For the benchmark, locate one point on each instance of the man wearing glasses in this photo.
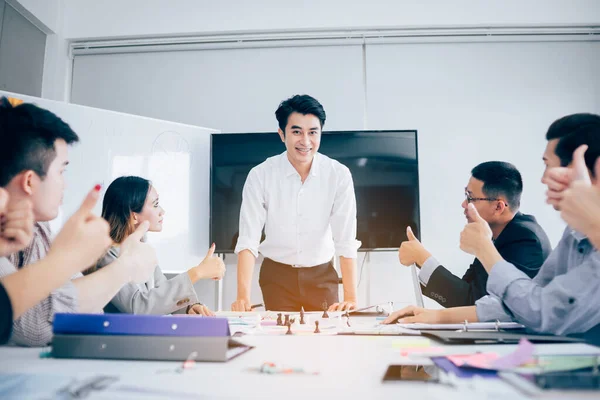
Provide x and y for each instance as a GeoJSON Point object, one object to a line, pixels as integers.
{"type": "Point", "coordinates": [494, 189]}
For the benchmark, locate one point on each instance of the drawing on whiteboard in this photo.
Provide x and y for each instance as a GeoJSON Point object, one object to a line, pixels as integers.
{"type": "Point", "coordinates": [170, 142]}
{"type": "Point", "coordinates": [169, 146]}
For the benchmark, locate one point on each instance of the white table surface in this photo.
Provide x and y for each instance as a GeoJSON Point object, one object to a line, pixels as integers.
{"type": "Point", "coordinates": [350, 367]}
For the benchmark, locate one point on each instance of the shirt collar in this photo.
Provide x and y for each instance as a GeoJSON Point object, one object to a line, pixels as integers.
{"type": "Point", "coordinates": [577, 235]}
{"type": "Point", "coordinates": [289, 169]}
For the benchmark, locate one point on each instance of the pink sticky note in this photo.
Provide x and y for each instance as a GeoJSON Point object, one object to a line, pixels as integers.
{"type": "Point", "coordinates": [520, 356]}
{"type": "Point", "coordinates": [493, 361]}
{"type": "Point", "coordinates": [478, 360]}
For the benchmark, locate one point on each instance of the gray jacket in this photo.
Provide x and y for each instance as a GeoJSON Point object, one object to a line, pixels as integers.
{"type": "Point", "coordinates": [157, 296]}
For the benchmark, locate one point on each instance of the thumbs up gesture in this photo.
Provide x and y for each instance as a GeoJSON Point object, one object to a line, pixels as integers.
{"type": "Point", "coordinates": [212, 267]}
{"type": "Point", "coordinates": [580, 203]}
{"type": "Point", "coordinates": [412, 251]}
{"type": "Point", "coordinates": [84, 237]}
{"type": "Point", "coordinates": [559, 179]}
{"type": "Point", "coordinates": [16, 224]}
{"type": "Point", "coordinates": [476, 234]}
{"type": "Point", "coordinates": [140, 256]}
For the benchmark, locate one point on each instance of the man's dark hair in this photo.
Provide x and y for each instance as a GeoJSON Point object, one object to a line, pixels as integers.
{"type": "Point", "coordinates": [573, 131]}
{"type": "Point", "coordinates": [570, 124]}
{"type": "Point", "coordinates": [500, 178]}
{"type": "Point", "coordinates": [27, 137]}
{"type": "Point", "coordinates": [303, 104]}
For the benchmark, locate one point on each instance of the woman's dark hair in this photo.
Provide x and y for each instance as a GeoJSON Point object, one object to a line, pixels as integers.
{"type": "Point", "coordinates": [123, 197]}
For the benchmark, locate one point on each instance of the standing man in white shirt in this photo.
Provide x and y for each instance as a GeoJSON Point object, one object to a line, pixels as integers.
{"type": "Point", "coordinates": [306, 204]}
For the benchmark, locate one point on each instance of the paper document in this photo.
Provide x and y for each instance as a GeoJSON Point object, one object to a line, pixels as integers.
{"type": "Point", "coordinates": [475, 326]}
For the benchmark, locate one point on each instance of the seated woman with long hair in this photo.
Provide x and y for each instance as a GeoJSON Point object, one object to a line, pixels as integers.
{"type": "Point", "coordinates": [129, 201]}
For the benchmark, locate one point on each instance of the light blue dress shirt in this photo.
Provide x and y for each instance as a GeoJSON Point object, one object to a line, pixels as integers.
{"type": "Point", "coordinates": [561, 299]}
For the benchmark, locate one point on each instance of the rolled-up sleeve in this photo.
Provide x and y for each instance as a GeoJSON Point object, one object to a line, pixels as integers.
{"type": "Point", "coordinates": [253, 214]}
{"type": "Point", "coordinates": [490, 308]}
{"type": "Point", "coordinates": [343, 217]}
{"type": "Point", "coordinates": [562, 306]}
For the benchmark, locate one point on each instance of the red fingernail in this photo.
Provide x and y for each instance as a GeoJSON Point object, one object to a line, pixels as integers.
{"type": "Point", "coordinates": [97, 187]}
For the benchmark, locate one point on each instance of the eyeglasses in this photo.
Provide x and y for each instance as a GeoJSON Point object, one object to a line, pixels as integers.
{"type": "Point", "coordinates": [473, 199]}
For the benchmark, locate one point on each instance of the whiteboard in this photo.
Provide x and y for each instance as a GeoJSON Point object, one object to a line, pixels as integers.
{"type": "Point", "coordinates": [175, 157]}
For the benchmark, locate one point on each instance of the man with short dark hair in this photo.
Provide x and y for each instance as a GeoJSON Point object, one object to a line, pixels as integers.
{"type": "Point", "coordinates": [305, 202]}
{"type": "Point", "coordinates": [560, 298]}
{"type": "Point", "coordinates": [33, 156]}
{"type": "Point", "coordinates": [495, 189]}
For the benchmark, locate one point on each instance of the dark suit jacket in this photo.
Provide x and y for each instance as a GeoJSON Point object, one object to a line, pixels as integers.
{"type": "Point", "coordinates": [522, 243]}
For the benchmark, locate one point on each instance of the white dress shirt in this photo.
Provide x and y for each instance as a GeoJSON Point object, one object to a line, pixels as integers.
{"type": "Point", "coordinates": [305, 224]}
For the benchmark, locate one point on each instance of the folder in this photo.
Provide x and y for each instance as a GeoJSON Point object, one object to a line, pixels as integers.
{"type": "Point", "coordinates": [146, 325]}
{"type": "Point", "coordinates": [156, 348]}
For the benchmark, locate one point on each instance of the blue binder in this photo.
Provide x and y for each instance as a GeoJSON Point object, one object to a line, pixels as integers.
{"type": "Point", "coordinates": [143, 325]}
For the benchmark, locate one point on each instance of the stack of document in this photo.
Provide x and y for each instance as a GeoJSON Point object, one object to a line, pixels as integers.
{"type": "Point", "coordinates": [469, 326]}
{"type": "Point", "coordinates": [143, 337]}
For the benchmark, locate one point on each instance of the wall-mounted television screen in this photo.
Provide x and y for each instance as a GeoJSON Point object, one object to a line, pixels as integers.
{"type": "Point", "coordinates": [384, 167]}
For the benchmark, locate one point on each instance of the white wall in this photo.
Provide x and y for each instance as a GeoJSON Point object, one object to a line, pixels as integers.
{"type": "Point", "coordinates": [475, 102]}
{"type": "Point", "coordinates": [237, 90]}
{"type": "Point", "coordinates": [116, 18]}
{"type": "Point", "coordinates": [48, 15]}
{"type": "Point", "coordinates": [71, 20]}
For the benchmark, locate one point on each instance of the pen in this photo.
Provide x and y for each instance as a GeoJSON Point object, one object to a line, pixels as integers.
{"type": "Point", "coordinates": [256, 306]}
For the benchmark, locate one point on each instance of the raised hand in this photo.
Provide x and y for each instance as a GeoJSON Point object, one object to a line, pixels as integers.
{"type": "Point", "coordinates": [212, 267]}
{"type": "Point", "coordinates": [412, 251]}
{"type": "Point", "coordinates": [559, 179]}
{"type": "Point", "coordinates": [476, 233]}
{"type": "Point", "coordinates": [84, 237]}
{"type": "Point", "coordinates": [16, 224]}
{"type": "Point", "coordinates": [580, 204]}
{"type": "Point", "coordinates": [138, 257]}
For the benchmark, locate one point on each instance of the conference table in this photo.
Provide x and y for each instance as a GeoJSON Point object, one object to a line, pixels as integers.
{"type": "Point", "coordinates": [330, 367]}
